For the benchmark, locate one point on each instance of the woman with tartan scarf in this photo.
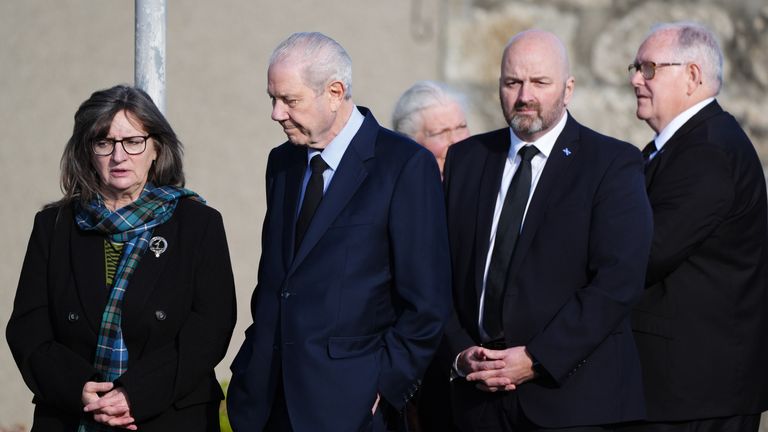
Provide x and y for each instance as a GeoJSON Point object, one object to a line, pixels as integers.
{"type": "Point", "coordinates": [126, 298]}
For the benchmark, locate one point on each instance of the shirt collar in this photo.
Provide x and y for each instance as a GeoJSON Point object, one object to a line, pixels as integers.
{"type": "Point", "coordinates": [678, 122]}
{"type": "Point", "coordinates": [544, 144]}
{"type": "Point", "coordinates": [334, 151]}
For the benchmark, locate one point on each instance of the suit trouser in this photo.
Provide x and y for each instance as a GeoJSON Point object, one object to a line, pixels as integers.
{"type": "Point", "coordinates": [478, 411]}
{"type": "Point", "coordinates": [746, 423]}
{"type": "Point", "coordinates": [433, 400]}
{"type": "Point", "coordinates": [280, 421]}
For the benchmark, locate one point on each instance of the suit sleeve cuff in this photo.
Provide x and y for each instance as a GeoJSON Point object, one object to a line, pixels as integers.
{"type": "Point", "coordinates": [455, 372]}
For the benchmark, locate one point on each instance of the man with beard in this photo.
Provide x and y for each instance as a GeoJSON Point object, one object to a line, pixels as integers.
{"type": "Point", "coordinates": [550, 230]}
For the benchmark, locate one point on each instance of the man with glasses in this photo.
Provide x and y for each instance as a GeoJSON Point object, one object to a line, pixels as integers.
{"type": "Point", "coordinates": [354, 277]}
{"type": "Point", "coordinates": [702, 323]}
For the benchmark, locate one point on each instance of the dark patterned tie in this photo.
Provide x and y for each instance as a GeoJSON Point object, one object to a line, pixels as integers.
{"type": "Point", "coordinates": [312, 196]}
{"type": "Point", "coordinates": [649, 150]}
{"type": "Point", "coordinates": [507, 232]}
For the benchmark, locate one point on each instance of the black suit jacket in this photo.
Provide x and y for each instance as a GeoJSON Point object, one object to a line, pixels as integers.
{"type": "Point", "coordinates": [178, 316]}
{"type": "Point", "coordinates": [702, 324]}
{"type": "Point", "coordinates": [359, 308]}
{"type": "Point", "coordinates": [578, 268]}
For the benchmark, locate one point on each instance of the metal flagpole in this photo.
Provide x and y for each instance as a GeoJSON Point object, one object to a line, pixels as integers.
{"type": "Point", "coordinates": [149, 59]}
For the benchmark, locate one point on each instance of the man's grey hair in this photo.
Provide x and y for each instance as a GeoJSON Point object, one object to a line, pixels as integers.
{"type": "Point", "coordinates": [697, 44]}
{"type": "Point", "coordinates": [420, 96]}
{"type": "Point", "coordinates": [321, 59]}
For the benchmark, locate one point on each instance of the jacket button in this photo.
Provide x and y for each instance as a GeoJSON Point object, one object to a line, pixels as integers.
{"type": "Point", "coordinates": [72, 317]}
{"type": "Point", "coordinates": [160, 315]}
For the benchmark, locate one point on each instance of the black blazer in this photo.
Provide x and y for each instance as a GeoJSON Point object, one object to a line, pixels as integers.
{"type": "Point", "coordinates": [702, 324]}
{"type": "Point", "coordinates": [578, 268]}
{"type": "Point", "coordinates": [178, 316]}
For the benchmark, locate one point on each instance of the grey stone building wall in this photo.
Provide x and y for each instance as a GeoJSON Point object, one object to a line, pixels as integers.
{"type": "Point", "coordinates": [602, 37]}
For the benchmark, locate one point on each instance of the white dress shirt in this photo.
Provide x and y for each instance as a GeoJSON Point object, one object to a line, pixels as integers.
{"type": "Point", "coordinates": [332, 153]}
{"type": "Point", "coordinates": [544, 144]}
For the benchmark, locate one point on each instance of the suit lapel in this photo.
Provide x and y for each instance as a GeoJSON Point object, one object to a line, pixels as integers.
{"type": "Point", "coordinates": [294, 175]}
{"type": "Point", "coordinates": [346, 180]}
{"type": "Point", "coordinates": [709, 110]}
{"type": "Point", "coordinates": [87, 257]}
{"type": "Point", "coordinates": [551, 178]}
{"type": "Point", "coordinates": [490, 183]}
{"type": "Point", "coordinates": [652, 166]}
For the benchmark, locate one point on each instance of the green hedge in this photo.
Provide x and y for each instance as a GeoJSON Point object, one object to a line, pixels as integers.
{"type": "Point", "coordinates": [223, 419]}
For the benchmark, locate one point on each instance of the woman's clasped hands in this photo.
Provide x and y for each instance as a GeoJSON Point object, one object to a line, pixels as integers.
{"type": "Point", "coordinates": [109, 405]}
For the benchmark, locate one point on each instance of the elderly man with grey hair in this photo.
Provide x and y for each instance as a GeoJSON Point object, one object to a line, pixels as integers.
{"type": "Point", "coordinates": [434, 115]}
{"type": "Point", "coordinates": [354, 278]}
{"type": "Point", "coordinates": [702, 324]}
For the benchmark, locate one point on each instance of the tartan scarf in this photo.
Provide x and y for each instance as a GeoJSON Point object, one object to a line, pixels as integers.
{"type": "Point", "coordinates": [131, 225]}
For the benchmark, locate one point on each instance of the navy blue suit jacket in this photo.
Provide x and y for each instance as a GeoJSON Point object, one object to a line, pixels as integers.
{"type": "Point", "coordinates": [360, 307]}
{"type": "Point", "coordinates": [577, 269]}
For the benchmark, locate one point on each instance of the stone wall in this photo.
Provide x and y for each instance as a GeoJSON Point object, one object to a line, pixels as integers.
{"type": "Point", "coordinates": [602, 37]}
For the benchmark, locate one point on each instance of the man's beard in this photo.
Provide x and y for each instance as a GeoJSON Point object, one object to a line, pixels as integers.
{"type": "Point", "coordinates": [526, 125]}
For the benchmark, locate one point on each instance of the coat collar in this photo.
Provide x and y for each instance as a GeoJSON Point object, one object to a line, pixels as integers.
{"type": "Point", "coordinates": [710, 110]}
{"type": "Point", "coordinates": [497, 148]}
{"type": "Point", "coordinates": [566, 149]}
{"type": "Point", "coordinates": [87, 257]}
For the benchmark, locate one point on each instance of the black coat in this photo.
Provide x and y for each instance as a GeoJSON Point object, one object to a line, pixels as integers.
{"type": "Point", "coordinates": [702, 324]}
{"type": "Point", "coordinates": [178, 316]}
{"type": "Point", "coordinates": [577, 269]}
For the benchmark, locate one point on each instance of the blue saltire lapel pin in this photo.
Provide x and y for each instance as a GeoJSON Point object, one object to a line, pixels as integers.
{"type": "Point", "coordinates": [566, 151]}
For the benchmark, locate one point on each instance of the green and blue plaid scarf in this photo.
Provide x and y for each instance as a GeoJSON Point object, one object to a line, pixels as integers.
{"type": "Point", "coordinates": [131, 225]}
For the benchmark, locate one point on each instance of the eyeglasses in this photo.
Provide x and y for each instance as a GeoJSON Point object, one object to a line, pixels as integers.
{"type": "Point", "coordinates": [132, 145]}
{"type": "Point", "coordinates": [648, 68]}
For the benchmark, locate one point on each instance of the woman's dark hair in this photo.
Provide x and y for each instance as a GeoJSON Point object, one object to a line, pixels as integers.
{"type": "Point", "coordinates": [79, 178]}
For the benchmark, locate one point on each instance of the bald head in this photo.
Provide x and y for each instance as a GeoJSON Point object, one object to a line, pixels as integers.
{"type": "Point", "coordinates": [543, 42]}
{"type": "Point", "coordinates": [536, 85]}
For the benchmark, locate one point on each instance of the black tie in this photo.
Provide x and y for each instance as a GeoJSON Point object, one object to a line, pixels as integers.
{"type": "Point", "coordinates": [312, 196]}
{"type": "Point", "coordinates": [507, 232]}
{"type": "Point", "coordinates": [648, 150]}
